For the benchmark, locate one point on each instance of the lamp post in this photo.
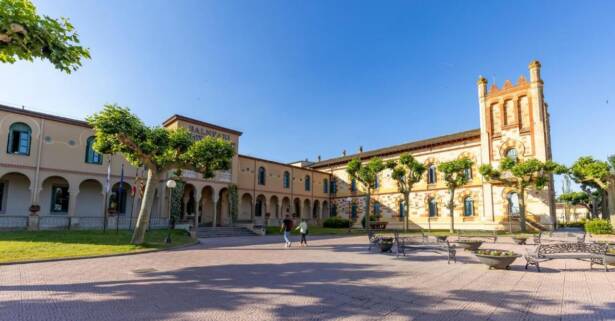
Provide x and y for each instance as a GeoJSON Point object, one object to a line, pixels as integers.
{"type": "Point", "coordinates": [350, 218]}
{"type": "Point", "coordinates": [171, 184]}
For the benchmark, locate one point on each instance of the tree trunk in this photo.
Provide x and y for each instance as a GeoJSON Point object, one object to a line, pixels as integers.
{"type": "Point", "coordinates": [605, 205]}
{"type": "Point", "coordinates": [138, 236]}
{"type": "Point", "coordinates": [451, 210]}
{"type": "Point", "coordinates": [369, 198]}
{"type": "Point", "coordinates": [522, 210]}
{"type": "Point", "coordinates": [406, 210]}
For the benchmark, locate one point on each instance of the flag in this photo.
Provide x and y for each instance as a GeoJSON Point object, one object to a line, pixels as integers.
{"type": "Point", "coordinates": [122, 179]}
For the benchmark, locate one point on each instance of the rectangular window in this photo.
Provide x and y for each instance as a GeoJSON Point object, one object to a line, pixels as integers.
{"type": "Point", "coordinates": [1, 196]}
{"type": "Point", "coordinates": [59, 199]}
{"type": "Point", "coordinates": [20, 143]}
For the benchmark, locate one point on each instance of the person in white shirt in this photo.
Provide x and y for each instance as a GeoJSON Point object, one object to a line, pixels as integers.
{"type": "Point", "coordinates": [303, 229]}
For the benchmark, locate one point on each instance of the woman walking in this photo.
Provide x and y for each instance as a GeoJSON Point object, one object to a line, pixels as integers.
{"type": "Point", "coordinates": [303, 229]}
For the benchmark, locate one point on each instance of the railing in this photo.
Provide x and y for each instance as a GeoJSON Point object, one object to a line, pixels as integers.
{"type": "Point", "coordinates": [55, 222]}
{"type": "Point", "coordinates": [8, 222]}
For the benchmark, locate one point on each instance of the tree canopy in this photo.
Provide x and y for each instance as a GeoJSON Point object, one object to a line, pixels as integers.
{"type": "Point", "coordinates": [587, 170]}
{"type": "Point", "coordinates": [406, 172]}
{"type": "Point", "coordinates": [367, 175]}
{"type": "Point", "coordinates": [455, 176]}
{"type": "Point", "coordinates": [521, 175]}
{"type": "Point", "coordinates": [25, 35]}
{"type": "Point", "coordinates": [159, 149]}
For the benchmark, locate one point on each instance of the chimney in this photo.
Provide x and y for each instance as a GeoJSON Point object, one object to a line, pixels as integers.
{"type": "Point", "coordinates": [319, 158]}
{"type": "Point", "coordinates": [535, 71]}
{"type": "Point", "coordinates": [360, 149]}
{"type": "Point", "coordinates": [482, 86]}
{"type": "Point", "coordinates": [344, 152]}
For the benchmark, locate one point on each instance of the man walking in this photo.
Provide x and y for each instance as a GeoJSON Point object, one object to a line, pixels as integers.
{"type": "Point", "coordinates": [287, 227]}
{"type": "Point", "coordinates": [303, 229]}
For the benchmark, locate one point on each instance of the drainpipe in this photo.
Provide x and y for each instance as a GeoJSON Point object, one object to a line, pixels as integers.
{"type": "Point", "coordinates": [38, 163]}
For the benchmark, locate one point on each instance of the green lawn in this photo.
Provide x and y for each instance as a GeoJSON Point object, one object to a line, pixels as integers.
{"type": "Point", "coordinates": [40, 245]}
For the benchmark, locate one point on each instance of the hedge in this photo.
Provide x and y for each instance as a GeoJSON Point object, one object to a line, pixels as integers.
{"type": "Point", "coordinates": [598, 226]}
{"type": "Point", "coordinates": [336, 222]}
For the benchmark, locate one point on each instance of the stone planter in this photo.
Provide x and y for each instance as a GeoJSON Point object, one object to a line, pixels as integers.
{"type": "Point", "coordinates": [441, 238]}
{"type": "Point", "coordinates": [378, 225]}
{"type": "Point", "coordinates": [609, 258]}
{"type": "Point", "coordinates": [386, 244]}
{"type": "Point", "coordinates": [519, 240]}
{"type": "Point", "coordinates": [496, 259]}
{"type": "Point", "coordinates": [469, 245]}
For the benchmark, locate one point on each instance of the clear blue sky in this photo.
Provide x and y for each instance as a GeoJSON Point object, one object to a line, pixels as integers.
{"type": "Point", "coordinates": [308, 78]}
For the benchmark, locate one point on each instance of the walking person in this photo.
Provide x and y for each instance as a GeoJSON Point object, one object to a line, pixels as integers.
{"type": "Point", "coordinates": [287, 227]}
{"type": "Point", "coordinates": [303, 229]}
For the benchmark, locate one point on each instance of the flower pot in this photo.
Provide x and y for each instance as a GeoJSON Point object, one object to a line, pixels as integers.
{"type": "Point", "coordinates": [34, 208]}
{"type": "Point", "coordinates": [378, 225]}
{"type": "Point", "coordinates": [386, 244]}
{"type": "Point", "coordinates": [496, 259]}
{"type": "Point", "coordinates": [469, 245]}
{"type": "Point", "coordinates": [441, 238]}
{"type": "Point", "coordinates": [519, 240]}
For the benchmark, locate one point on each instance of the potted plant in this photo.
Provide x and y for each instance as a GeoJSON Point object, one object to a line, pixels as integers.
{"type": "Point", "coordinates": [610, 255]}
{"type": "Point", "coordinates": [496, 259]}
{"type": "Point", "coordinates": [519, 240]}
{"type": "Point", "coordinates": [34, 209]}
{"type": "Point", "coordinates": [386, 243]}
{"type": "Point", "coordinates": [469, 245]}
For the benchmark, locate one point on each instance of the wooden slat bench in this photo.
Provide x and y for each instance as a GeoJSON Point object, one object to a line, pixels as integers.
{"type": "Point", "coordinates": [477, 234]}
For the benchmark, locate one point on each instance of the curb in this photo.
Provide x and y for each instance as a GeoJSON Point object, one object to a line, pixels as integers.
{"type": "Point", "coordinates": [101, 256]}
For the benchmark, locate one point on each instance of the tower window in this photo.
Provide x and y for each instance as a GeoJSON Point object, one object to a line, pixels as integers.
{"type": "Point", "coordinates": [261, 175]}
{"type": "Point", "coordinates": [431, 175]}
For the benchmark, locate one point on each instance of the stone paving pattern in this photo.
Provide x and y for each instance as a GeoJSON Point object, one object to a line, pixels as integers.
{"type": "Point", "coordinates": [255, 278]}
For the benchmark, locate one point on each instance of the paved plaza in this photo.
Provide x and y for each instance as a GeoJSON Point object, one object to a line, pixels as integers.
{"type": "Point", "coordinates": [335, 278]}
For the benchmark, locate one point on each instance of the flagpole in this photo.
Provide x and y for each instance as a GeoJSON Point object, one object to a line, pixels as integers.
{"type": "Point", "coordinates": [106, 195]}
{"type": "Point", "coordinates": [134, 197]}
{"type": "Point", "coordinates": [120, 199]}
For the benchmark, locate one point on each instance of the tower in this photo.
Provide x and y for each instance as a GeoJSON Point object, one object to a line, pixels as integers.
{"type": "Point", "coordinates": [514, 122]}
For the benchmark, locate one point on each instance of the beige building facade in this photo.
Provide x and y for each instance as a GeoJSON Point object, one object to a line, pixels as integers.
{"type": "Point", "coordinates": [50, 176]}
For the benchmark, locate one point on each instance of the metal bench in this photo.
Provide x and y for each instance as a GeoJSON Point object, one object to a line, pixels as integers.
{"type": "Point", "coordinates": [594, 253]}
{"type": "Point", "coordinates": [477, 234]}
{"type": "Point", "coordinates": [374, 239]}
{"type": "Point", "coordinates": [423, 243]}
{"type": "Point", "coordinates": [548, 237]}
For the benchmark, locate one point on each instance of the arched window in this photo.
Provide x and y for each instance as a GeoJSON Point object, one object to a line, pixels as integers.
{"type": "Point", "coordinates": [261, 175]}
{"type": "Point", "coordinates": [468, 173]}
{"type": "Point", "coordinates": [353, 185]}
{"type": "Point", "coordinates": [325, 186]}
{"type": "Point", "coordinates": [91, 156]}
{"type": "Point", "coordinates": [468, 206]}
{"type": "Point", "coordinates": [431, 174]}
{"type": "Point", "coordinates": [307, 183]}
{"type": "Point", "coordinates": [258, 207]}
{"type": "Point", "coordinates": [118, 199]}
{"type": "Point", "coordinates": [353, 210]}
{"type": "Point", "coordinates": [512, 154]}
{"type": "Point", "coordinates": [377, 208]}
{"type": "Point", "coordinates": [286, 180]}
{"type": "Point", "coordinates": [513, 204]}
{"type": "Point", "coordinates": [433, 207]}
{"type": "Point", "coordinates": [20, 136]}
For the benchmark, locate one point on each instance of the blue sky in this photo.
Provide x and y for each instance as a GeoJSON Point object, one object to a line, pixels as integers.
{"type": "Point", "coordinates": [308, 78]}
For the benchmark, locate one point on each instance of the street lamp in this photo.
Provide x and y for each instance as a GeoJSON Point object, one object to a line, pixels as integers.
{"type": "Point", "coordinates": [171, 184]}
{"type": "Point", "coordinates": [350, 218]}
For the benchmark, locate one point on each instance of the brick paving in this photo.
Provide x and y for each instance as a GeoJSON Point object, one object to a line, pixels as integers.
{"type": "Point", "coordinates": [255, 278]}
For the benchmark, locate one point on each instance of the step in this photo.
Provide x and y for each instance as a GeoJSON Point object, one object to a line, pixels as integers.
{"type": "Point", "coordinates": [209, 232]}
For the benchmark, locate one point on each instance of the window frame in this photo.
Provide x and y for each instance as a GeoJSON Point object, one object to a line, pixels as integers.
{"type": "Point", "coordinates": [325, 185]}
{"type": "Point", "coordinates": [286, 179]}
{"type": "Point", "coordinates": [465, 206]}
{"type": "Point", "coordinates": [261, 177]}
{"type": "Point", "coordinates": [94, 154]}
{"type": "Point", "coordinates": [432, 169]}
{"type": "Point", "coordinates": [432, 202]}
{"type": "Point", "coordinates": [11, 136]}
{"type": "Point", "coordinates": [307, 183]}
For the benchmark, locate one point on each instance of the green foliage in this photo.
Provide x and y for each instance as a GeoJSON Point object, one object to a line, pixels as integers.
{"type": "Point", "coordinates": [587, 170]}
{"type": "Point", "coordinates": [406, 172]}
{"type": "Point", "coordinates": [25, 35]}
{"type": "Point", "coordinates": [177, 197]}
{"type": "Point", "coordinates": [575, 198]}
{"type": "Point", "coordinates": [454, 172]}
{"type": "Point", "coordinates": [233, 199]}
{"type": "Point", "coordinates": [598, 226]}
{"type": "Point", "coordinates": [366, 174]}
{"type": "Point", "coordinates": [117, 130]}
{"type": "Point", "coordinates": [521, 175]}
{"type": "Point", "coordinates": [337, 222]}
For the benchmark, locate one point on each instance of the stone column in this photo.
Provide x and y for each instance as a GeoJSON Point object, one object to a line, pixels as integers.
{"type": "Point", "coordinates": [197, 213]}
{"type": "Point", "coordinates": [215, 199]}
{"type": "Point", "coordinates": [73, 193]}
